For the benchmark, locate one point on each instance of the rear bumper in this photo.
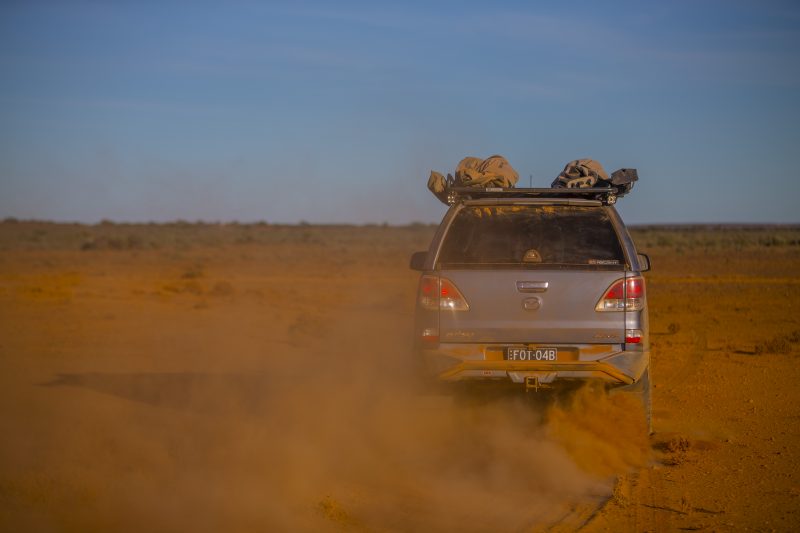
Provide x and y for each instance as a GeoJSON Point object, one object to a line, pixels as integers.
{"type": "Point", "coordinates": [462, 362]}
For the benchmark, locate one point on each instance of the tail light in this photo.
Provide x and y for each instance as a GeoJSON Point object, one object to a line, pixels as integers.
{"type": "Point", "coordinates": [625, 294]}
{"type": "Point", "coordinates": [429, 293]}
{"type": "Point", "coordinates": [437, 293]}
{"type": "Point", "coordinates": [451, 298]}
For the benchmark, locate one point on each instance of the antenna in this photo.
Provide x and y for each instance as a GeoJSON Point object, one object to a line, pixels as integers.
{"type": "Point", "coordinates": [530, 181]}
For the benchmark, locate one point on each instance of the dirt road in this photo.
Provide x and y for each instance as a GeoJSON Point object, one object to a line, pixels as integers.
{"type": "Point", "coordinates": [256, 378]}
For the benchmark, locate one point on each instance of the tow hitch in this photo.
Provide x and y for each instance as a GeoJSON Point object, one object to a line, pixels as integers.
{"type": "Point", "coordinates": [534, 380]}
{"type": "Point", "coordinates": [534, 383]}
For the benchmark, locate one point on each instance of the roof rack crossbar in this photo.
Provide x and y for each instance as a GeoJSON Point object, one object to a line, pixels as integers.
{"type": "Point", "coordinates": [607, 195]}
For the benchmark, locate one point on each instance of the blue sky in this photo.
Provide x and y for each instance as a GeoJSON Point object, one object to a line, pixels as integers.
{"type": "Point", "coordinates": [337, 112]}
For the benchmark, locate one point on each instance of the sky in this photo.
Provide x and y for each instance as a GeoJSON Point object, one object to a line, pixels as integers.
{"type": "Point", "coordinates": [336, 112]}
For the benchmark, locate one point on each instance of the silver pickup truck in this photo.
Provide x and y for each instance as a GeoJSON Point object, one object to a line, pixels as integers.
{"type": "Point", "coordinates": [536, 289]}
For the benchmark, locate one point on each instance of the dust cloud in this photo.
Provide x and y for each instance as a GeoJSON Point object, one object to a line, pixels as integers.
{"type": "Point", "coordinates": [338, 435]}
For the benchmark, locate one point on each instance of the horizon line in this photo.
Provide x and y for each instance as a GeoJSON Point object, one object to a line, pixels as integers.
{"type": "Point", "coordinates": [303, 223]}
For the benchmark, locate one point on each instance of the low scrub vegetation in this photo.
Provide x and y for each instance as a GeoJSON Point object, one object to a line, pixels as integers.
{"type": "Point", "coordinates": [716, 237]}
{"type": "Point", "coordinates": [107, 235]}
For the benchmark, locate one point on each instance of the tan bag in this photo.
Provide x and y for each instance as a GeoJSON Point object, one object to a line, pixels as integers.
{"type": "Point", "coordinates": [494, 171]}
{"type": "Point", "coordinates": [437, 185]}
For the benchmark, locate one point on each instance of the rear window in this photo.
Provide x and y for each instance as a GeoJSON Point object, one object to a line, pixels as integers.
{"type": "Point", "coordinates": [532, 236]}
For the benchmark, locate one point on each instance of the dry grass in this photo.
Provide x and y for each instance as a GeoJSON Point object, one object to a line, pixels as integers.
{"type": "Point", "coordinates": [685, 238]}
{"type": "Point", "coordinates": [39, 235]}
{"type": "Point", "coordinates": [107, 235]}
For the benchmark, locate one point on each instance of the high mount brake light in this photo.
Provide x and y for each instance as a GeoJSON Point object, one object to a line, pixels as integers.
{"type": "Point", "coordinates": [626, 294]}
{"type": "Point", "coordinates": [440, 293]}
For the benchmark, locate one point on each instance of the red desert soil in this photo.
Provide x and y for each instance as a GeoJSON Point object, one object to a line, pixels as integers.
{"type": "Point", "coordinates": [256, 378]}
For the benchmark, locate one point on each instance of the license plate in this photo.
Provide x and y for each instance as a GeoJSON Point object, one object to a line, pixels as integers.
{"type": "Point", "coordinates": [531, 354]}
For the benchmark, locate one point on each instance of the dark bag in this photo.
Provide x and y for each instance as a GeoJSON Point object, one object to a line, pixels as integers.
{"type": "Point", "coordinates": [623, 179]}
{"type": "Point", "coordinates": [584, 173]}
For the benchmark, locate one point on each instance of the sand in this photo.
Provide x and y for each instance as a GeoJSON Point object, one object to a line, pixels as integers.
{"type": "Point", "coordinates": [258, 378]}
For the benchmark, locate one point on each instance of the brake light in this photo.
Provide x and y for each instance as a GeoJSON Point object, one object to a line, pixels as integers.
{"type": "Point", "coordinates": [625, 294]}
{"type": "Point", "coordinates": [440, 293]}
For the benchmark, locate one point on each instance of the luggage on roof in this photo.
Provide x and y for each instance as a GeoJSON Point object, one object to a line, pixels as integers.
{"type": "Point", "coordinates": [494, 176]}
{"type": "Point", "coordinates": [494, 171]}
{"type": "Point", "coordinates": [580, 174]}
{"type": "Point", "coordinates": [585, 173]}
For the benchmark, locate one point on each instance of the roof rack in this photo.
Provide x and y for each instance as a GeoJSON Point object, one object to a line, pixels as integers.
{"type": "Point", "coordinates": [607, 195]}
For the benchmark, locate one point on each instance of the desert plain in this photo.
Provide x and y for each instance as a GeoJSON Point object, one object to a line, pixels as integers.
{"type": "Point", "coordinates": [257, 377]}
